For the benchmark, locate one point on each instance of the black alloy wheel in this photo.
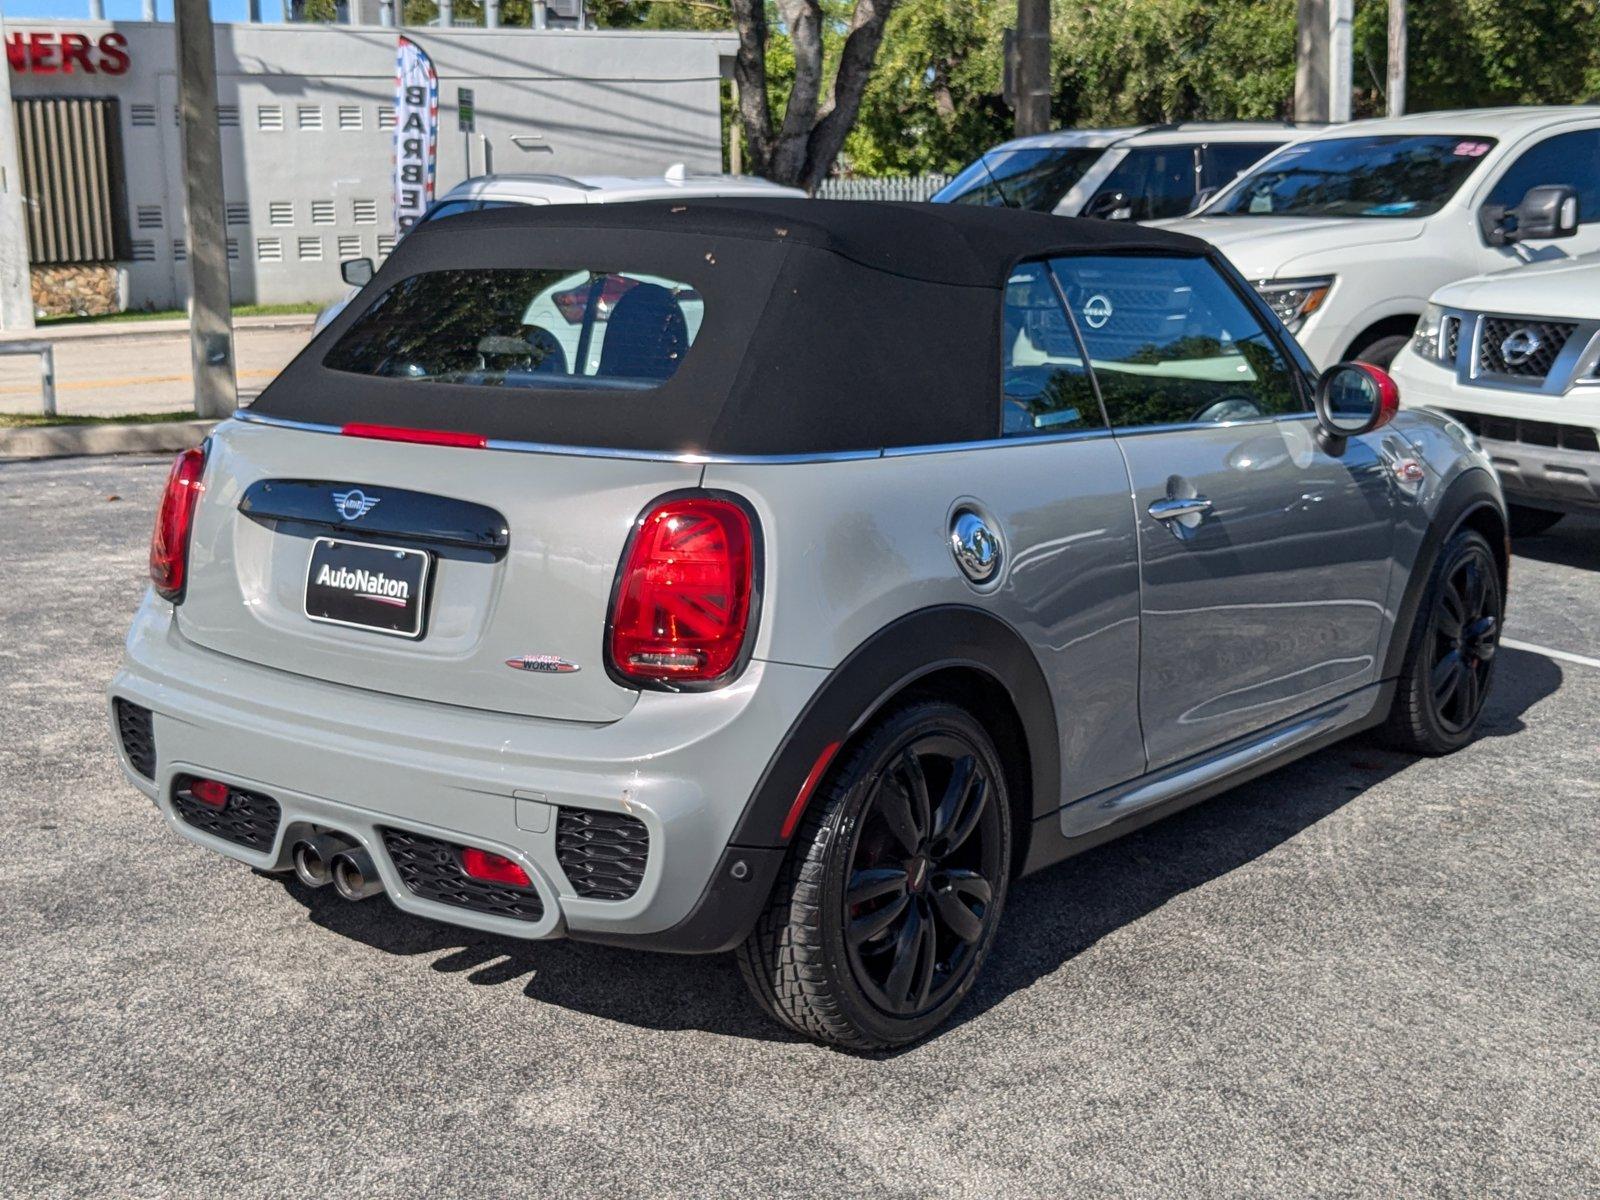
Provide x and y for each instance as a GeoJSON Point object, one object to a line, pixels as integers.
{"type": "Point", "coordinates": [922, 875]}
{"type": "Point", "coordinates": [888, 903]}
{"type": "Point", "coordinates": [1466, 631]}
{"type": "Point", "coordinates": [1449, 664]}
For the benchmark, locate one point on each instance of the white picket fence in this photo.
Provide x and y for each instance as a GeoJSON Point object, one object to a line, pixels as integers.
{"type": "Point", "coordinates": [893, 187]}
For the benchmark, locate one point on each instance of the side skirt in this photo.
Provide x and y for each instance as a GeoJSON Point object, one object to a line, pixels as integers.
{"type": "Point", "coordinates": [1107, 815]}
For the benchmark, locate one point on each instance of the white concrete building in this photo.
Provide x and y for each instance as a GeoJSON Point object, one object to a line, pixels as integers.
{"type": "Point", "coordinates": [307, 116]}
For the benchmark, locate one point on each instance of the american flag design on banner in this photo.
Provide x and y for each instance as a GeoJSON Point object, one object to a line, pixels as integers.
{"type": "Point", "coordinates": [416, 133]}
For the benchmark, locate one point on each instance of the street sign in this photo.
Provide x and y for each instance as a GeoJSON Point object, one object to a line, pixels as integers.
{"type": "Point", "coordinates": [466, 110]}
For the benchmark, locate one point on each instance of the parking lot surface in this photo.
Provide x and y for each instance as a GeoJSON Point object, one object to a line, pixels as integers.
{"type": "Point", "coordinates": [1365, 974]}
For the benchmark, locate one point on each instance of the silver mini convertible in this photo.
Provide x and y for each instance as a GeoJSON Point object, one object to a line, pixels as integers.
{"type": "Point", "coordinates": [788, 577]}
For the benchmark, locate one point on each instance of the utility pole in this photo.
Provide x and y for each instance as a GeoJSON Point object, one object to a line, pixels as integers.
{"type": "Point", "coordinates": [1311, 61]}
{"type": "Point", "coordinates": [16, 290]}
{"type": "Point", "coordinates": [1396, 90]}
{"type": "Point", "coordinates": [1341, 18]}
{"type": "Point", "coordinates": [210, 290]}
{"type": "Point", "coordinates": [1033, 67]}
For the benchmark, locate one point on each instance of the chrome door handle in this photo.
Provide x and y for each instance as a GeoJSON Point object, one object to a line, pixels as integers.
{"type": "Point", "coordinates": [1173, 507]}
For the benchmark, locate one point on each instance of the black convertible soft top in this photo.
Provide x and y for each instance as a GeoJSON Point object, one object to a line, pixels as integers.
{"type": "Point", "coordinates": [828, 325]}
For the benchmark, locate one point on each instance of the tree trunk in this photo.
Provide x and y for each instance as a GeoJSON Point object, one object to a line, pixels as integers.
{"type": "Point", "coordinates": [803, 151]}
{"type": "Point", "coordinates": [804, 19]}
{"type": "Point", "coordinates": [849, 85]}
{"type": "Point", "coordinates": [750, 74]}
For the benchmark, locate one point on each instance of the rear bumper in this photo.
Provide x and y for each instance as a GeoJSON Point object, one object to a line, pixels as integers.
{"type": "Point", "coordinates": [358, 762]}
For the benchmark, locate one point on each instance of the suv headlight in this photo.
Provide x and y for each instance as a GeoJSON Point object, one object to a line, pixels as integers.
{"type": "Point", "coordinates": [1294, 299]}
{"type": "Point", "coordinates": [1429, 325]}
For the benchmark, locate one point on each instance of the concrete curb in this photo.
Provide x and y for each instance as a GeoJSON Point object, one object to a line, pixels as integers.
{"type": "Point", "coordinates": [66, 441]}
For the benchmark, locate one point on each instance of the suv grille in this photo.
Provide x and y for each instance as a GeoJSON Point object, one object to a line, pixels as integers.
{"type": "Point", "coordinates": [1529, 433]}
{"type": "Point", "coordinates": [1452, 338]}
{"type": "Point", "coordinates": [431, 868]}
{"type": "Point", "coordinates": [138, 738]}
{"type": "Point", "coordinates": [603, 853]}
{"type": "Point", "coordinates": [247, 819]}
{"type": "Point", "coordinates": [1547, 339]}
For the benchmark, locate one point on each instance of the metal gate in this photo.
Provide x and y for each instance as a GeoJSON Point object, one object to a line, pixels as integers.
{"type": "Point", "coordinates": [72, 180]}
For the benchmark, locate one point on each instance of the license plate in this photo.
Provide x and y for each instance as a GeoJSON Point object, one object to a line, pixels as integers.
{"type": "Point", "coordinates": [382, 588]}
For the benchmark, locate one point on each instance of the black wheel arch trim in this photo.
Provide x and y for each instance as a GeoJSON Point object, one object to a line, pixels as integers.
{"type": "Point", "coordinates": [908, 649]}
{"type": "Point", "coordinates": [1470, 492]}
{"type": "Point", "coordinates": [856, 691]}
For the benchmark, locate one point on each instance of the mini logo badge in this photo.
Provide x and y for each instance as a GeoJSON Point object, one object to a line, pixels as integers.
{"type": "Point", "coordinates": [544, 664]}
{"type": "Point", "coordinates": [1097, 311]}
{"type": "Point", "coordinates": [354, 504]}
{"type": "Point", "coordinates": [1520, 345]}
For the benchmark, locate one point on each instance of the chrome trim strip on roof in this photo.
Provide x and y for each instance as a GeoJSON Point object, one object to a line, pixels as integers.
{"type": "Point", "coordinates": [693, 459]}
{"type": "Point", "coordinates": [244, 414]}
{"type": "Point", "coordinates": [1043, 439]}
{"type": "Point", "coordinates": [1128, 431]}
{"type": "Point", "coordinates": [515, 447]}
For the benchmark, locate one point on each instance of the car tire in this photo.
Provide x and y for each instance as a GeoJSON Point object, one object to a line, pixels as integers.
{"type": "Point", "coordinates": [1530, 522]}
{"type": "Point", "coordinates": [929, 880]}
{"type": "Point", "coordinates": [1380, 352]}
{"type": "Point", "coordinates": [1449, 663]}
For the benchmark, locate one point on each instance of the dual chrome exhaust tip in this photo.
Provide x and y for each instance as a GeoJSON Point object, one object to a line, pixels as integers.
{"type": "Point", "coordinates": [328, 858]}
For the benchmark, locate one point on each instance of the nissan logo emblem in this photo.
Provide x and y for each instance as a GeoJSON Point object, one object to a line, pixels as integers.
{"type": "Point", "coordinates": [1520, 345]}
{"type": "Point", "coordinates": [1097, 311]}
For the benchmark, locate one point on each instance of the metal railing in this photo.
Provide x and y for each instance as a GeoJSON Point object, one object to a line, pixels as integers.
{"type": "Point", "coordinates": [47, 368]}
{"type": "Point", "coordinates": [892, 187]}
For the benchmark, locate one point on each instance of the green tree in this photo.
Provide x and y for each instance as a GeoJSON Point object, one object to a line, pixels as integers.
{"type": "Point", "coordinates": [936, 92]}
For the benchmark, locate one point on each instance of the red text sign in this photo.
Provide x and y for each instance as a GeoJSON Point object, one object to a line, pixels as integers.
{"type": "Point", "coordinates": [45, 53]}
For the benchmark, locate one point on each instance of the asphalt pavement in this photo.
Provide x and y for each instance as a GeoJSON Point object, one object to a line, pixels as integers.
{"type": "Point", "coordinates": [1365, 974]}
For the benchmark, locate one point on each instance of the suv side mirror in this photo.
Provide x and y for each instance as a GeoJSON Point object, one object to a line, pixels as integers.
{"type": "Point", "coordinates": [1353, 398]}
{"type": "Point", "coordinates": [357, 272]}
{"type": "Point", "coordinates": [1548, 211]}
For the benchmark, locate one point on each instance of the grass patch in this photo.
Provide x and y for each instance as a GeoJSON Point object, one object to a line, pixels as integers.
{"type": "Point", "coordinates": [170, 314]}
{"type": "Point", "coordinates": [33, 420]}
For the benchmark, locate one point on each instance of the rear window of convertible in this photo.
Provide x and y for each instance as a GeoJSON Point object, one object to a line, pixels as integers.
{"type": "Point", "coordinates": [555, 328]}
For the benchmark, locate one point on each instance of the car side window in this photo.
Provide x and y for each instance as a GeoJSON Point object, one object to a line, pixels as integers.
{"type": "Point", "coordinates": [450, 208]}
{"type": "Point", "coordinates": [1223, 162]}
{"type": "Point", "coordinates": [1568, 158]}
{"type": "Point", "coordinates": [1171, 343]}
{"type": "Point", "coordinates": [1149, 183]}
{"type": "Point", "coordinates": [1047, 387]}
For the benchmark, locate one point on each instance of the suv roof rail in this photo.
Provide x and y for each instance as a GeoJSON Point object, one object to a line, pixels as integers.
{"type": "Point", "coordinates": [1236, 122]}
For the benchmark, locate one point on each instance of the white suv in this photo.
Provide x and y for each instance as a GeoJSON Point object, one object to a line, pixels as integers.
{"type": "Point", "coordinates": [1515, 357]}
{"type": "Point", "coordinates": [1138, 174]}
{"type": "Point", "coordinates": [1347, 232]}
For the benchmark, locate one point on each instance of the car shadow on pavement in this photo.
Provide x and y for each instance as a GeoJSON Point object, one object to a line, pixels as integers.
{"type": "Point", "coordinates": [1050, 917]}
{"type": "Point", "coordinates": [1573, 542]}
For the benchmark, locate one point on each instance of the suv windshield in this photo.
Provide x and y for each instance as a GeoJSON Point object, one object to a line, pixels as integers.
{"type": "Point", "coordinates": [1035, 178]}
{"type": "Point", "coordinates": [1395, 176]}
{"type": "Point", "coordinates": [528, 329]}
